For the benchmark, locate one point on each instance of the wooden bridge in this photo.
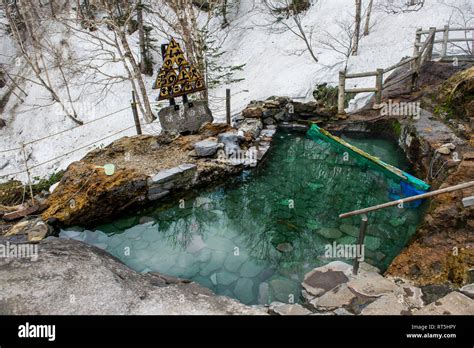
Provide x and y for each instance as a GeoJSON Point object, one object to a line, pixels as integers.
{"type": "Point", "coordinates": [424, 49]}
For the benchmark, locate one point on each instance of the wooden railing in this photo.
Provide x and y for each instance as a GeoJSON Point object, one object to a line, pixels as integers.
{"type": "Point", "coordinates": [400, 203]}
{"type": "Point", "coordinates": [423, 51]}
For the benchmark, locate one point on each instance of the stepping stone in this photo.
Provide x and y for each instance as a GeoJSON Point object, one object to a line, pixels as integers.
{"type": "Point", "coordinates": [454, 303]}
{"type": "Point", "coordinates": [371, 284]}
{"type": "Point", "coordinates": [390, 304]}
{"type": "Point", "coordinates": [206, 148]}
{"type": "Point", "coordinates": [338, 297]}
{"type": "Point", "coordinates": [290, 309]}
{"type": "Point", "coordinates": [325, 278]}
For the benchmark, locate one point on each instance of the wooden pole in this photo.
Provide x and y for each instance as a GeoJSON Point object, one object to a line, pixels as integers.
{"type": "Point", "coordinates": [432, 37]}
{"type": "Point", "coordinates": [445, 41]}
{"type": "Point", "coordinates": [135, 114]}
{"type": "Point", "coordinates": [342, 92]}
{"type": "Point", "coordinates": [25, 158]}
{"type": "Point", "coordinates": [227, 105]}
{"type": "Point", "coordinates": [379, 86]}
{"type": "Point", "coordinates": [360, 242]}
{"type": "Point", "coordinates": [408, 199]}
{"type": "Point", "coordinates": [416, 49]}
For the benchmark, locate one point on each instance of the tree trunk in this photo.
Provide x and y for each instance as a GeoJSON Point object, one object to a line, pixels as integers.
{"type": "Point", "coordinates": [367, 19]}
{"type": "Point", "coordinates": [149, 117]}
{"type": "Point", "coordinates": [355, 44]}
{"type": "Point", "coordinates": [225, 23]}
{"type": "Point", "coordinates": [141, 37]}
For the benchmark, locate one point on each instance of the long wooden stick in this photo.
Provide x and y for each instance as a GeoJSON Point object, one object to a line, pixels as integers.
{"type": "Point", "coordinates": [408, 199]}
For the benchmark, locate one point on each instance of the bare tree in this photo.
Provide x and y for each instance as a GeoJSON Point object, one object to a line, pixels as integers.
{"type": "Point", "coordinates": [287, 15]}
{"type": "Point", "coordinates": [27, 31]}
{"type": "Point", "coordinates": [358, 18]}
{"type": "Point", "coordinates": [367, 18]}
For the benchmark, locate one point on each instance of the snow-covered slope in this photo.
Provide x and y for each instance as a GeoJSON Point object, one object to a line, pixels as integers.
{"type": "Point", "coordinates": [274, 62]}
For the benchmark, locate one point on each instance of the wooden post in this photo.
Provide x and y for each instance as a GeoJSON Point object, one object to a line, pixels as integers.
{"type": "Point", "coordinates": [416, 49]}
{"type": "Point", "coordinates": [25, 158]}
{"type": "Point", "coordinates": [445, 41]}
{"type": "Point", "coordinates": [429, 49]}
{"type": "Point", "coordinates": [379, 86]}
{"type": "Point", "coordinates": [360, 242]}
{"type": "Point", "coordinates": [227, 106]}
{"type": "Point", "coordinates": [135, 114]}
{"type": "Point", "coordinates": [342, 92]}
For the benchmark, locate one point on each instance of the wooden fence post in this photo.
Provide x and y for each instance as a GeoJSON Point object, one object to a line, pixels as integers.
{"type": "Point", "coordinates": [135, 114]}
{"type": "Point", "coordinates": [416, 49]}
{"type": "Point", "coordinates": [445, 41]}
{"type": "Point", "coordinates": [379, 86]}
{"type": "Point", "coordinates": [227, 106]}
{"type": "Point", "coordinates": [342, 92]}
{"type": "Point", "coordinates": [429, 49]}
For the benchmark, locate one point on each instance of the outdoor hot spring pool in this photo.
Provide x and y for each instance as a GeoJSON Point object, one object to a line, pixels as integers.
{"type": "Point", "coordinates": [254, 237]}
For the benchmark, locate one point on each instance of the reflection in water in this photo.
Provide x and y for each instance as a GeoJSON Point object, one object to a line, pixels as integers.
{"type": "Point", "coordinates": [255, 237]}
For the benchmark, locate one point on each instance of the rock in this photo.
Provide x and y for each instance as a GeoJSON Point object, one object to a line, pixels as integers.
{"type": "Point", "coordinates": [251, 269]}
{"type": "Point", "coordinates": [145, 220]}
{"type": "Point", "coordinates": [231, 142]}
{"type": "Point", "coordinates": [372, 243]}
{"type": "Point", "coordinates": [251, 127]}
{"type": "Point", "coordinates": [434, 292]}
{"type": "Point", "coordinates": [284, 247]}
{"type": "Point", "coordinates": [20, 228]}
{"type": "Point", "coordinates": [282, 116]}
{"type": "Point", "coordinates": [252, 112]}
{"type": "Point", "coordinates": [338, 297]}
{"type": "Point", "coordinates": [321, 280]}
{"type": "Point", "coordinates": [389, 304]}
{"type": "Point", "coordinates": [372, 285]}
{"type": "Point", "coordinates": [454, 303]}
{"type": "Point", "coordinates": [349, 230]}
{"type": "Point", "coordinates": [206, 148]}
{"type": "Point", "coordinates": [368, 267]}
{"type": "Point", "coordinates": [329, 233]}
{"type": "Point", "coordinates": [269, 121]}
{"type": "Point", "coordinates": [283, 289]}
{"type": "Point", "coordinates": [233, 262]}
{"type": "Point", "coordinates": [342, 311]}
{"type": "Point", "coordinates": [468, 290]}
{"type": "Point", "coordinates": [443, 150]}
{"type": "Point", "coordinates": [289, 309]}
{"type": "Point", "coordinates": [97, 283]}
{"type": "Point", "coordinates": [226, 278]}
{"type": "Point", "coordinates": [185, 119]}
{"type": "Point", "coordinates": [167, 175]}
{"type": "Point", "coordinates": [38, 232]}
{"type": "Point", "coordinates": [2, 123]}
{"type": "Point", "coordinates": [110, 194]}
{"type": "Point", "coordinates": [263, 293]}
{"type": "Point", "coordinates": [243, 290]}
{"type": "Point", "coordinates": [16, 215]}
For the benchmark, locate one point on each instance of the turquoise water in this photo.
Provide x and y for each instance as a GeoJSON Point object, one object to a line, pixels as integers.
{"type": "Point", "coordinates": [256, 236]}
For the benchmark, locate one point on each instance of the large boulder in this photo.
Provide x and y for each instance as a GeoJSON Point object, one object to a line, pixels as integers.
{"type": "Point", "coordinates": [86, 194]}
{"type": "Point", "coordinates": [186, 119]}
{"type": "Point", "coordinates": [73, 278]}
